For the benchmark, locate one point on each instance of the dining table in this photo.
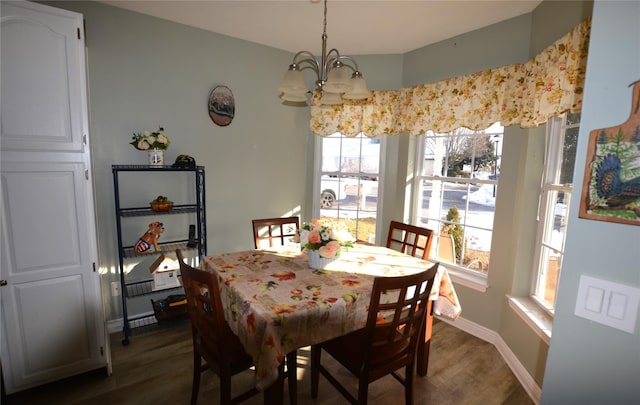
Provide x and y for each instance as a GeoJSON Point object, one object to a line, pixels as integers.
{"type": "Point", "coordinates": [276, 303]}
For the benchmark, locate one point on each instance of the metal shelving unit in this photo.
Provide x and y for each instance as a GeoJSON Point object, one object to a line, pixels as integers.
{"type": "Point", "coordinates": [137, 288]}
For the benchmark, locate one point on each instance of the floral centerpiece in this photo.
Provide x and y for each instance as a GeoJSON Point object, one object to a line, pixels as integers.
{"type": "Point", "coordinates": [324, 239]}
{"type": "Point", "coordinates": [150, 140]}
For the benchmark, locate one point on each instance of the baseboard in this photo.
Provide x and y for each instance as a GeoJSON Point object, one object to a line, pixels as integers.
{"type": "Point", "coordinates": [489, 336]}
{"type": "Point", "coordinates": [115, 325]}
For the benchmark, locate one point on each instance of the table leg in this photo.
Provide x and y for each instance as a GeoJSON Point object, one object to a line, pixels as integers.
{"type": "Point", "coordinates": [425, 336]}
{"type": "Point", "coordinates": [274, 394]}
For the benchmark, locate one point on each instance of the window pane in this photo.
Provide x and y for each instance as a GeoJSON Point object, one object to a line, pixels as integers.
{"type": "Point", "coordinates": [554, 204]}
{"type": "Point", "coordinates": [548, 277]}
{"type": "Point", "coordinates": [349, 183]}
{"type": "Point", "coordinates": [456, 194]}
{"type": "Point", "coordinates": [569, 148]}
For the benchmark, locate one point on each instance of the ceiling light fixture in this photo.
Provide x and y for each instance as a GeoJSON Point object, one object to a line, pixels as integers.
{"type": "Point", "coordinates": [332, 72]}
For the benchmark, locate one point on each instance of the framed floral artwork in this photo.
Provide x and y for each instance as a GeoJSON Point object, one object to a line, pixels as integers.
{"type": "Point", "coordinates": [222, 106]}
{"type": "Point", "coordinates": [611, 190]}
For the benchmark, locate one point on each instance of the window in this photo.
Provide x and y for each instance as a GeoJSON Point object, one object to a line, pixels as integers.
{"type": "Point", "coordinates": [349, 176]}
{"type": "Point", "coordinates": [457, 183]}
{"type": "Point", "coordinates": [557, 178]}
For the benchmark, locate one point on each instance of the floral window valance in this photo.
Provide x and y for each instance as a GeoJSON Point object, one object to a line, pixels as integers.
{"type": "Point", "coordinates": [521, 94]}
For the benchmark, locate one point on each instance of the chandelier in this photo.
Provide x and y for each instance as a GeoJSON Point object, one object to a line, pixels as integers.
{"type": "Point", "coordinates": [333, 71]}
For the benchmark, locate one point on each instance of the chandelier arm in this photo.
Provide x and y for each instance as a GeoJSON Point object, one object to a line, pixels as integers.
{"type": "Point", "coordinates": [310, 60]}
{"type": "Point", "coordinates": [343, 58]}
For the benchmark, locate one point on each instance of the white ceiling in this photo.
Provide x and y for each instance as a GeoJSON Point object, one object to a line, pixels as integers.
{"type": "Point", "coordinates": [354, 27]}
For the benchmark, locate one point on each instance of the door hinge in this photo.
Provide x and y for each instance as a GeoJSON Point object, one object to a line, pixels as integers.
{"type": "Point", "coordinates": [86, 175]}
{"type": "Point", "coordinates": [84, 139]}
{"type": "Point", "coordinates": [94, 267]}
{"type": "Point", "coordinates": [78, 30]}
{"type": "Point", "coordinates": [101, 350]}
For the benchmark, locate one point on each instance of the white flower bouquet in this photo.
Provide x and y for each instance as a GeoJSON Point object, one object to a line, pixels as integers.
{"type": "Point", "coordinates": [150, 140]}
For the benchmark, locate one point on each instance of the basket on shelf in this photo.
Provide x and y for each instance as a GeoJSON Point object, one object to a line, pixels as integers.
{"type": "Point", "coordinates": [170, 308]}
{"type": "Point", "coordinates": [161, 206]}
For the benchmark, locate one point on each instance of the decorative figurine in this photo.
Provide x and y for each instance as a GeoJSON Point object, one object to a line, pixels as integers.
{"type": "Point", "coordinates": [149, 239]}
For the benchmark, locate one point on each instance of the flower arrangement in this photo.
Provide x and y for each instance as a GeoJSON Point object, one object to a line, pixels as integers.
{"type": "Point", "coordinates": [326, 236]}
{"type": "Point", "coordinates": [150, 140]}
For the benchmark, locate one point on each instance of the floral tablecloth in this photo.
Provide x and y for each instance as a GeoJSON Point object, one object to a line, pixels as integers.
{"type": "Point", "coordinates": [276, 303]}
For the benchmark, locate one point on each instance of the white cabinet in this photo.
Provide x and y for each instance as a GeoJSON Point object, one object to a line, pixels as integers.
{"type": "Point", "coordinates": [52, 323]}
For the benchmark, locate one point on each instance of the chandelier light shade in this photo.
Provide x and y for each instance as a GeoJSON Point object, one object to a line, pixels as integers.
{"type": "Point", "coordinates": [337, 76]}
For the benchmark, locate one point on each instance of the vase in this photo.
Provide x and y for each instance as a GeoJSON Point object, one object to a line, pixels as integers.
{"type": "Point", "coordinates": [156, 157]}
{"type": "Point", "coordinates": [318, 262]}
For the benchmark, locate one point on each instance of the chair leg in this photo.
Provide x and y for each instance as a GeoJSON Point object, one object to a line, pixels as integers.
{"type": "Point", "coordinates": [315, 370]}
{"type": "Point", "coordinates": [292, 375]}
{"type": "Point", "coordinates": [408, 384]}
{"type": "Point", "coordinates": [197, 369]}
{"type": "Point", "coordinates": [225, 388]}
{"type": "Point", "coordinates": [363, 390]}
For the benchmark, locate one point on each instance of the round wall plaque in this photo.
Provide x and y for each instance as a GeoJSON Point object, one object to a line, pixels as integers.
{"type": "Point", "coordinates": [222, 107]}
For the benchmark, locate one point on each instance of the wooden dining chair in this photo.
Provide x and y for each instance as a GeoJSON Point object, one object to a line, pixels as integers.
{"type": "Point", "coordinates": [415, 241]}
{"type": "Point", "coordinates": [409, 239]}
{"type": "Point", "coordinates": [274, 230]}
{"type": "Point", "coordinates": [213, 340]}
{"type": "Point", "coordinates": [277, 231]}
{"type": "Point", "coordinates": [388, 341]}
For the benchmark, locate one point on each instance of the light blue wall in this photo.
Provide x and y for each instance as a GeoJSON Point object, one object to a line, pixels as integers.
{"type": "Point", "coordinates": [513, 41]}
{"type": "Point", "coordinates": [145, 72]}
{"type": "Point", "coordinates": [590, 363]}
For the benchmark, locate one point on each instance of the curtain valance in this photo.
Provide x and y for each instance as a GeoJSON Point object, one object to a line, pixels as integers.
{"type": "Point", "coordinates": [521, 94]}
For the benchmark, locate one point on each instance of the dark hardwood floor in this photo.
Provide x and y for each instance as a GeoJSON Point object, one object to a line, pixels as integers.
{"type": "Point", "coordinates": [156, 368]}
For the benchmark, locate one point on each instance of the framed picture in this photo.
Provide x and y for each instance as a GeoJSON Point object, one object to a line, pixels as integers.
{"type": "Point", "coordinates": [222, 106]}
{"type": "Point", "coordinates": [611, 190]}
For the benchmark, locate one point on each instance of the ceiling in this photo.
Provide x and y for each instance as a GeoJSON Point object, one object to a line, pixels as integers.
{"type": "Point", "coordinates": [354, 27]}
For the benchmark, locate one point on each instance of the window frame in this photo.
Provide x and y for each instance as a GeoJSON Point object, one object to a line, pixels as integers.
{"type": "Point", "coordinates": [462, 275]}
{"type": "Point", "coordinates": [550, 188]}
{"type": "Point", "coordinates": [318, 173]}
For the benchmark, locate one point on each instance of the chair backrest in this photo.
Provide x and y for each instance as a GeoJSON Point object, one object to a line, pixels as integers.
{"type": "Point", "coordinates": [397, 312]}
{"type": "Point", "coordinates": [211, 334]}
{"type": "Point", "coordinates": [410, 239]}
{"type": "Point", "coordinates": [446, 249]}
{"type": "Point", "coordinates": [268, 232]}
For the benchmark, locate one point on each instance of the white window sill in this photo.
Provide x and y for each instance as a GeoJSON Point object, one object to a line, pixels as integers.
{"type": "Point", "coordinates": [478, 283]}
{"type": "Point", "coordinates": [533, 316]}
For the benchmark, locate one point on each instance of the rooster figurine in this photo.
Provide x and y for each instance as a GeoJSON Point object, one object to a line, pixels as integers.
{"type": "Point", "coordinates": [611, 188]}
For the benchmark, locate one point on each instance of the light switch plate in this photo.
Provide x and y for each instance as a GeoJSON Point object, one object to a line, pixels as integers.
{"type": "Point", "coordinates": [608, 303]}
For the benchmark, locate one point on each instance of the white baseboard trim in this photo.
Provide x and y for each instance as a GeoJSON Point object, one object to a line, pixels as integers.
{"type": "Point", "coordinates": [115, 325]}
{"type": "Point", "coordinates": [489, 336]}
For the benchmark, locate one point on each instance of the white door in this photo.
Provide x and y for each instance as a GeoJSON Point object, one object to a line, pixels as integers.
{"type": "Point", "coordinates": [52, 320]}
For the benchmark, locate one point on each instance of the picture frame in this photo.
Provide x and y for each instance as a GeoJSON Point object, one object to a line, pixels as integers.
{"type": "Point", "coordinates": [221, 106]}
{"type": "Point", "coordinates": [611, 188]}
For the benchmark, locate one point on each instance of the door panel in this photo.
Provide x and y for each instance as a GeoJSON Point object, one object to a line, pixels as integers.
{"type": "Point", "coordinates": [49, 301]}
{"type": "Point", "coordinates": [40, 89]}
